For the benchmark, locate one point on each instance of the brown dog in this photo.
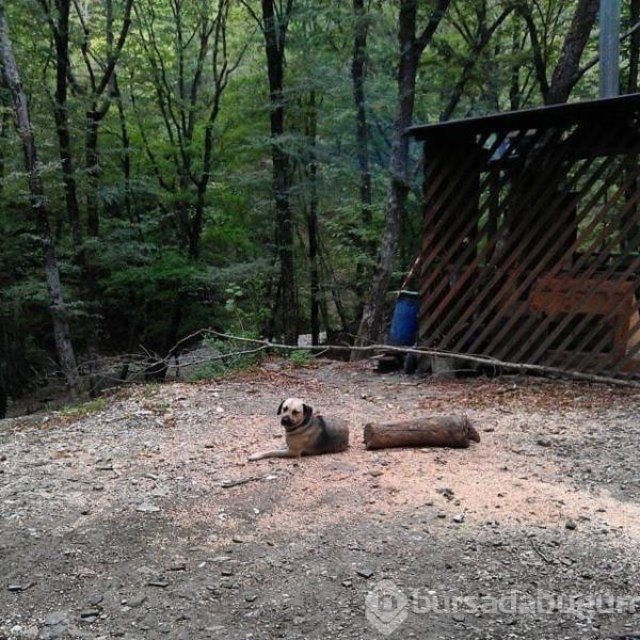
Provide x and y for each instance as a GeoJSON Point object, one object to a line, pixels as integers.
{"type": "Point", "coordinates": [307, 433]}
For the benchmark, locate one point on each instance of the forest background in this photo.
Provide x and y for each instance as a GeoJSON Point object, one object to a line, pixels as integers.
{"type": "Point", "coordinates": [240, 164]}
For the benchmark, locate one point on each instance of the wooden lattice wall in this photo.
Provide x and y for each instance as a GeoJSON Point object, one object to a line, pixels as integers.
{"type": "Point", "coordinates": [532, 237]}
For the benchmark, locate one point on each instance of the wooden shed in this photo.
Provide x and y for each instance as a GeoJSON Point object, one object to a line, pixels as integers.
{"type": "Point", "coordinates": [531, 237]}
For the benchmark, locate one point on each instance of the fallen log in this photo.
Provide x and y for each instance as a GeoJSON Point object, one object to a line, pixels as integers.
{"type": "Point", "coordinates": [431, 431]}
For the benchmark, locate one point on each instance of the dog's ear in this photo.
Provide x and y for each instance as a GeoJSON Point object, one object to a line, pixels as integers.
{"type": "Point", "coordinates": [280, 408]}
{"type": "Point", "coordinates": [307, 411]}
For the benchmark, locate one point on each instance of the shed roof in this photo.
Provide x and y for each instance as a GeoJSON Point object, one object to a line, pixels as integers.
{"type": "Point", "coordinates": [551, 115]}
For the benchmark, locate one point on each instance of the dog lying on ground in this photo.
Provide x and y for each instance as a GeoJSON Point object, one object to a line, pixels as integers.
{"type": "Point", "coordinates": [307, 433]}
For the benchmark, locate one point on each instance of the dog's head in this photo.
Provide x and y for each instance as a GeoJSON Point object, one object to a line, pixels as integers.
{"type": "Point", "coordinates": [294, 412]}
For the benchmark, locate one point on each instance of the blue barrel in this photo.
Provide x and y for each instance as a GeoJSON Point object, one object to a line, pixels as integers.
{"type": "Point", "coordinates": [404, 323]}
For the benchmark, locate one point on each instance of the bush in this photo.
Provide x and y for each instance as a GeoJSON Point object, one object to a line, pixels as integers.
{"type": "Point", "coordinates": [301, 358]}
{"type": "Point", "coordinates": [234, 355]}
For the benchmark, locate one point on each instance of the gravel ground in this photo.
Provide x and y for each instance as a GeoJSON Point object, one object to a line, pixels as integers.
{"type": "Point", "coordinates": [139, 517]}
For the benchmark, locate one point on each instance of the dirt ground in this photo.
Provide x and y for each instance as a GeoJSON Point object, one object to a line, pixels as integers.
{"type": "Point", "coordinates": [122, 519]}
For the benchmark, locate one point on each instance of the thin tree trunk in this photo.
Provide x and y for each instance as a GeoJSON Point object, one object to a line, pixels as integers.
{"type": "Point", "coordinates": [5, 120]}
{"type": "Point", "coordinates": [4, 369]}
{"type": "Point", "coordinates": [539, 62]}
{"type": "Point", "coordinates": [314, 272]}
{"type": "Point", "coordinates": [40, 209]}
{"type": "Point", "coordinates": [482, 38]}
{"type": "Point", "coordinates": [88, 253]}
{"type": "Point", "coordinates": [60, 33]}
{"type": "Point", "coordinates": [3, 391]}
{"type": "Point", "coordinates": [93, 172]}
{"type": "Point", "coordinates": [125, 161]}
{"type": "Point", "coordinates": [275, 31]}
{"type": "Point", "coordinates": [311, 171]}
{"type": "Point", "coordinates": [634, 48]}
{"type": "Point", "coordinates": [411, 47]}
{"type": "Point", "coordinates": [515, 94]}
{"type": "Point", "coordinates": [157, 370]}
{"type": "Point", "coordinates": [102, 86]}
{"type": "Point", "coordinates": [366, 248]}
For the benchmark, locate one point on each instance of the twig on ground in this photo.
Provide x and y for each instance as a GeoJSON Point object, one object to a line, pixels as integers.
{"type": "Point", "coordinates": [227, 484]}
{"type": "Point", "coordinates": [540, 553]}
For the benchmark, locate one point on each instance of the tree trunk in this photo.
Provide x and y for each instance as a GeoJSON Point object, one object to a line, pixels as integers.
{"type": "Point", "coordinates": [4, 358]}
{"type": "Point", "coordinates": [60, 32]}
{"type": "Point", "coordinates": [40, 209]}
{"type": "Point", "coordinates": [311, 173]}
{"type": "Point", "coordinates": [567, 70]}
{"type": "Point", "coordinates": [3, 393]}
{"type": "Point", "coordinates": [314, 272]}
{"type": "Point", "coordinates": [365, 247]}
{"type": "Point", "coordinates": [515, 94]}
{"type": "Point", "coordinates": [125, 162]}
{"type": "Point", "coordinates": [102, 87]}
{"type": "Point", "coordinates": [5, 120]}
{"type": "Point", "coordinates": [286, 305]}
{"type": "Point", "coordinates": [634, 48]}
{"type": "Point", "coordinates": [411, 48]}
{"type": "Point", "coordinates": [157, 370]}
{"type": "Point", "coordinates": [88, 254]}
{"type": "Point", "coordinates": [93, 172]}
{"type": "Point", "coordinates": [482, 38]}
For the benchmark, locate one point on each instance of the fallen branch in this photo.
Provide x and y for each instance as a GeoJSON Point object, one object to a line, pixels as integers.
{"type": "Point", "coordinates": [267, 345]}
{"type": "Point", "coordinates": [487, 360]}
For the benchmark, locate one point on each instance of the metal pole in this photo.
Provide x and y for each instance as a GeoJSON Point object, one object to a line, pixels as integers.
{"type": "Point", "coordinates": [609, 48]}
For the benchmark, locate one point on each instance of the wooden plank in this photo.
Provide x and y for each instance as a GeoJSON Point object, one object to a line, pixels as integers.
{"type": "Point", "coordinates": [555, 295]}
{"type": "Point", "coordinates": [612, 302]}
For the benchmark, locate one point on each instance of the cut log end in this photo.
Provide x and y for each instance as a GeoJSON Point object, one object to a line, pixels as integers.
{"type": "Point", "coordinates": [431, 431]}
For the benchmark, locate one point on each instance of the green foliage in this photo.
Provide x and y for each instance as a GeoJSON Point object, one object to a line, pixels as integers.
{"type": "Point", "coordinates": [159, 277]}
{"type": "Point", "coordinates": [228, 356]}
{"type": "Point", "coordinates": [300, 358]}
{"type": "Point", "coordinates": [84, 409]}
